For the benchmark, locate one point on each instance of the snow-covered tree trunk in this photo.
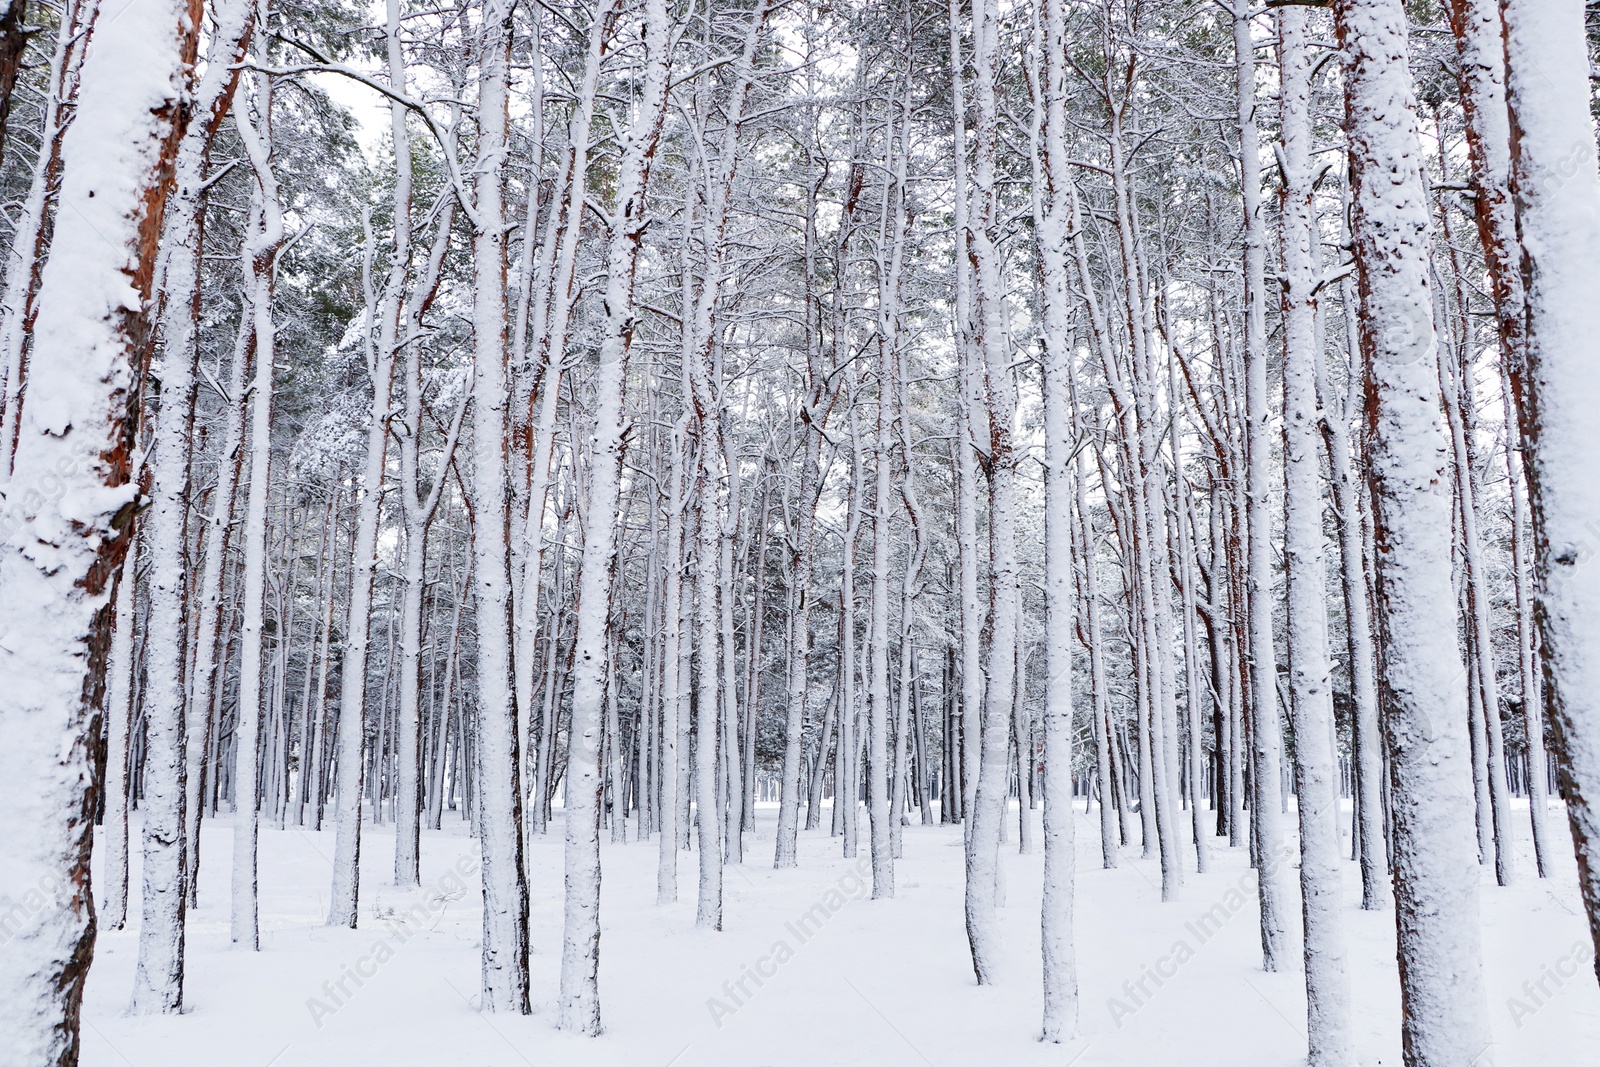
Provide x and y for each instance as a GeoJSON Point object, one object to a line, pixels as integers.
{"type": "Point", "coordinates": [31, 235]}
{"type": "Point", "coordinates": [1557, 192]}
{"type": "Point", "coordinates": [1086, 549]}
{"type": "Point", "coordinates": [1266, 747]}
{"type": "Point", "coordinates": [994, 352]}
{"type": "Point", "coordinates": [158, 978]}
{"type": "Point", "coordinates": [708, 910]}
{"type": "Point", "coordinates": [908, 722]}
{"type": "Point", "coordinates": [201, 725]}
{"type": "Point", "coordinates": [1146, 497]}
{"type": "Point", "coordinates": [673, 640]}
{"type": "Point", "coordinates": [702, 301]}
{"type": "Point", "coordinates": [1376, 893]}
{"type": "Point", "coordinates": [1456, 387]}
{"type": "Point", "coordinates": [801, 543]}
{"type": "Point", "coordinates": [1316, 763]}
{"type": "Point", "coordinates": [1535, 755]}
{"type": "Point", "coordinates": [1054, 211]}
{"type": "Point", "coordinates": [846, 767]}
{"type": "Point", "coordinates": [408, 799]}
{"type": "Point", "coordinates": [1194, 694]}
{"type": "Point", "coordinates": [260, 253]}
{"type": "Point", "coordinates": [878, 812]}
{"type": "Point", "coordinates": [970, 394]}
{"type": "Point", "coordinates": [1480, 44]}
{"type": "Point", "coordinates": [116, 725]}
{"type": "Point", "coordinates": [728, 683]}
{"type": "Point", "coordinates": [580, 957]}
{"type": "Point", "coordinates": [554, 298]}
{"type": "Point", "coordinates": [755, 623]}
{"type": "Point", "coordinates": [1022, 744]}
{"type": "Point", "coordinates": [499, 813]}
{"type": "Point", "coordinates": [802, 551]}
{"type": "Point", "coordinates": [311, 735]}
{"type": "Point", "coordinates": [349, 753]}
{"type": "Point", "coordinates": [1436, 890]}
{"type": "Point", "coordinates": [69, 513]}
{"type": "Point", "coordinates": [909, 743]}
{"type": "Point", "coordinates": [891, 258]}
{"type": "Point", "coordinates": [441, 728]}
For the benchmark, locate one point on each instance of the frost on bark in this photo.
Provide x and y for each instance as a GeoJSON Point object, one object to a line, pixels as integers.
{"type": "Point", "coordinates": [882, 799]}
{"type": "Point", "coordinates": [674, 709]}
{"type": "Point", "coordinates": [1054, 214]}
{"type": "Point", "coordinates": [1316, 763]}
{"type": "Point", "coordinates": [1371, 847]}
{"type": "Point", "coordinates": [993, 351]}
{"type": "Point", "coordinates": [349, 755]}
{"type": "Point", "coordinates": [708, 907]}
{"type": "Point", "coordinates": [1435, 870]}
{"type": "Point", "coordinates": [30, 237]}
{"type": "Point", "coordinates": [68, 513]}
{"type": "Point", "coordinates": [158, 979]}
{"type": "Point", "coordinates": [1557, 193]}
{"type": "Point", "coordinates": [1266, 745]}
{"type": "Point", "coordinates": [580, 957]}
{"type": "Point", "coordinates": [1480, 44]}
{"type": "Point", "coordinates": [785, 849]}
{"type": "Point", "coordinates": [260, 253]}
{"type": "Point", "coordinates": [116, 725]}
{"type": "Point", "coordinates": [417, 511]}
{"type": "Point", "coordinates": [969, 377]}
{"type": "Point", "coordinates": [547, 312]}
{"type": "Point", "coordinates": [505, 888]}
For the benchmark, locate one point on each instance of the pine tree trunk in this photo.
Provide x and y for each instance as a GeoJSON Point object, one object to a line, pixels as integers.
{"type": "Point", "coordinates": [1527, 668]}
{"type": "Point", "coordinates": [1445, 1017]}
{"type": "Point", "coordinates": [350, 757]}
{"type": "Point", "coordinates": [56, 572]}
{"type": "Point", "coordinates": [1063, 492]}
{"type": "Point", "coordinates": [117, 726]}
{"type": "Point", "coordinates": [1265, 734]}
{"type": "Point", "coordinates": [846, 765]}
{"type": "Point", "coordinates": [1316, 764]}
{"type": "Point", "coordinates": [261, 253]}
{"type": "Point", "coordinates": [1376, 893]}
{"type": "Point", "coordinates": [210, 653]}
{"type": "Point", "coordinates": [580, 958]}
{"type": "Point", "coordinates": [708, 910]}
{"type": "Point", "coordinates": [499, 812]}
{"type": "Point", "coordinates": [970, 393]}
{"type": "Point", "coordinates": [408, 795]}
{"type": "Point", "coordinates": [13, 43]}
{"type": "Point", "coordinates": [993, 348]}
{"type": "Point", "coordinates": [158, 978]}
{"type": "Point", "coordinates": [31, 236]}
{"type": "Point", "coordinates": [1558, 210]}
{"type": "Point", "coordinates": [812, 418]}
{"type": "Point", "coordinates": [1481, 664]}
{"type": "Point", "coordinates": [673, 680]}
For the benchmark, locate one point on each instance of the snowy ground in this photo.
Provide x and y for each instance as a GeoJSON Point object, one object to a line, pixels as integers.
{"type": "Point", "coordinates": [885, 983]}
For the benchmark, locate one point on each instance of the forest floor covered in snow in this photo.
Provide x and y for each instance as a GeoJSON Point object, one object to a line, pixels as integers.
{"type": "Point", "coordinates": [856, 981]}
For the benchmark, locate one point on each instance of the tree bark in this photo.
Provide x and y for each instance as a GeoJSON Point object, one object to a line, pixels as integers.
{"type": "Point", "coordinates": [1557, 193]}
{"type": "Point", "coordinates": [1310, 683]}
{"type": "Point", "coordinates": [1054, 211]}
{"type": "Point", "coordinates": [1265, 734]}
{"type": "Point", "coordinates": [580, 958]}
{"type": "Point", "coordinates": [1436, 891]}
{"type": "Point", "coordinates": [499, 813]}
